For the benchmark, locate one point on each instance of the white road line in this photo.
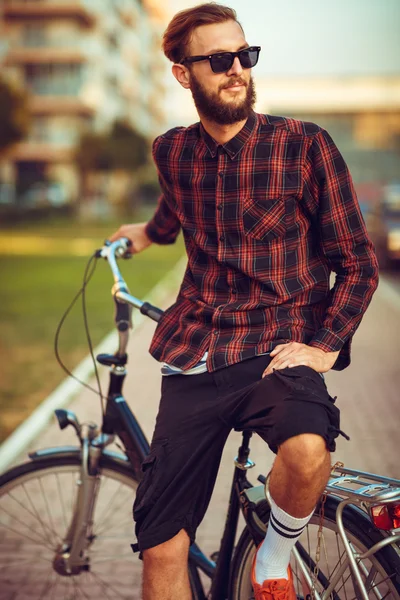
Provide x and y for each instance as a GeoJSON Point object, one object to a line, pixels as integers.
{"type": "Point", "coordinates": [21, 438]}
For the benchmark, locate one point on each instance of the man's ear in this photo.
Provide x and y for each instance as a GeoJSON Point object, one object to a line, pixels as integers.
{"type": "Point", "coordinates": [181, 74]}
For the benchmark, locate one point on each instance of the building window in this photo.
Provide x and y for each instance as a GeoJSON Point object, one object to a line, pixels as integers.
{"type": "Point", "coordinates": [54, 79]}
{"type": "Point", "coordinates": [34, 35]}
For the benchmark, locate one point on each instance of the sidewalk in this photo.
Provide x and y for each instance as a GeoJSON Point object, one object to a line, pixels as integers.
{"type": "Point", "coordinates": [367, 394]}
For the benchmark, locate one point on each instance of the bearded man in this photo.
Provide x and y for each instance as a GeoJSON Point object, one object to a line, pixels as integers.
{"type": "Point", "coordinates": [268, 210]}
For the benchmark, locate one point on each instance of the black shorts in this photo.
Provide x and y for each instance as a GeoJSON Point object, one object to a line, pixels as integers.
{"type": "Point", "coordinates": [196, 415]}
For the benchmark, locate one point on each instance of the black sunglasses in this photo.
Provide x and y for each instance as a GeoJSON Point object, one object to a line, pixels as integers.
{"type": "Point", "coordinates": [223, 61]}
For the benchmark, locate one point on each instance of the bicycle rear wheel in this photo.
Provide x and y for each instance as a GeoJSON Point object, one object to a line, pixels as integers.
{"type": "Point", "coordinates": [381, 572]}
{"type": "Point", "coordinates": [36, 507]}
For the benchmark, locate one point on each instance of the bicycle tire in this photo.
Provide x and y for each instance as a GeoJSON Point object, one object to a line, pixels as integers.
{"type": "Point", "coordinates": [36, 504]}
{"type": "Point", "coordinates": [360, 532]}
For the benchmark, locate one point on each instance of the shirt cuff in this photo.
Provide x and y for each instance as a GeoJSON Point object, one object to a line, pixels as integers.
{"type": "Point", "coordinates": [158, 236]}
{"type": "Point", "coordinates": [327, 340]}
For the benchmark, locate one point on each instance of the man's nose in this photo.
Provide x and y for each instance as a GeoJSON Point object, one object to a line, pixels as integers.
{"type": "Point", "coordinates": [236, 68]}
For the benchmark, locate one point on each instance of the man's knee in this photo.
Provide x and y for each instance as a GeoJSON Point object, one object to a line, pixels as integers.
{"type": "Point", "coordinates": [305, 455]}
{"type": "Point", "coordinates": [173, 551]}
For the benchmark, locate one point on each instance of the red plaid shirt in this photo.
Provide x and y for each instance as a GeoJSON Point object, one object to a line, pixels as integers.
{"type": "Point", "coordinates": [266, 217]}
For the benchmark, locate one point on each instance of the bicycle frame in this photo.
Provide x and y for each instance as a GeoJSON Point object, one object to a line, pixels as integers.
{"type": "Point", "coordinates": [120, 420]}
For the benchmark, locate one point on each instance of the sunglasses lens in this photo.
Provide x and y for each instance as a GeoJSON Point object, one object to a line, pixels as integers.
{"type": "Point", "coordinates": [248, 58]}
{"type": "Point", "coordinates": [220, 63]}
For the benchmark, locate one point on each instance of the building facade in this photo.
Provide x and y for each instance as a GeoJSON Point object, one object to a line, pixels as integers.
{"type": "Point", "coordinates": [362, 114]}
{"type": "Point", "coordinates": [85, 64]}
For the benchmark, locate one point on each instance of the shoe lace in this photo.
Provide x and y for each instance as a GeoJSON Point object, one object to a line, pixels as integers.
{"type": "Point", "coordinates": [276, 591]}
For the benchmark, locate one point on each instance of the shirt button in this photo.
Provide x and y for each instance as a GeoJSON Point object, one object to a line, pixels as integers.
{"type": "Point", "coordinates": [221, 238]}
{"type": "Point", "coordinates": [219, 206]}
{"type": "Point", "coordinates": [234, 292]}
{"type": "Point", "coordinates": [215, 332]}
{"type": "Point", "coordinates": [221, 173]}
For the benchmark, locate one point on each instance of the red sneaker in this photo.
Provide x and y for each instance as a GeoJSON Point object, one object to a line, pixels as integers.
{"type": "Point", "coordinates": [273, 589]}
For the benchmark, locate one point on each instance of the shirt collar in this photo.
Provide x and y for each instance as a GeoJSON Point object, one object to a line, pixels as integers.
{"type": "Point", "coordinates": [234, 146]}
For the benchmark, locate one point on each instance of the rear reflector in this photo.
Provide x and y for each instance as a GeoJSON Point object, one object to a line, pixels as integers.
{"type": "Point", "coordinates": [386, 516]}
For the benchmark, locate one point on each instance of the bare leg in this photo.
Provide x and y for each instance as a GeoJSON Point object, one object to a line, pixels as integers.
{"type": "Point", "coordinates": [165, 570]}
{"type": "Point", "coordinates": [300, 473]}
{"type": "Point", "coordinates": [297, 479]}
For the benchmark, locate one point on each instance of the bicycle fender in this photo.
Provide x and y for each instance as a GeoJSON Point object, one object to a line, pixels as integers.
{"type": "Point", "coordinates": [75, 451]}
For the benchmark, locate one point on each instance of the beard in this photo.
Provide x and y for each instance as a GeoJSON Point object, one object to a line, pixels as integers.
{"type": "Point", "coordinates": [212, 107]}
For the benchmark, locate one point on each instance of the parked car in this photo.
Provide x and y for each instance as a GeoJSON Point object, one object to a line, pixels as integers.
{"type": "Point", "coordinates": [383, 223]}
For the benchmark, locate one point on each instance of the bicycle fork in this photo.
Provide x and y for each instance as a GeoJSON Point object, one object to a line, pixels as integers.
{"type": "Point", "coordinates": [71, 558]}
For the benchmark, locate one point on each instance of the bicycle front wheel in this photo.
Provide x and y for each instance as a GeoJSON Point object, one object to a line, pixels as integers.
{"type": "Point", "coordinates": [380, 573]}
{"type": "Point", "coordinates": [36, 508]}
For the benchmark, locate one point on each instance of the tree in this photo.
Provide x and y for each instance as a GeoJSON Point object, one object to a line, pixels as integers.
{"type": "Point", "coordinates": [14, 114]}
{"type": "Point", "coordinates": [122, 148]}
{"type": "Point", "coordinates": [127, 148]}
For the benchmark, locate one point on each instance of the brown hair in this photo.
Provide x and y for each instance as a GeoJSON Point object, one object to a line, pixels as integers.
{"type": "Point", "coordinates": [179, 32]}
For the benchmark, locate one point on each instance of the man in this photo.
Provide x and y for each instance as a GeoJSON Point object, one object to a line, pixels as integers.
{"type": "Point", "coordinates": [268, 210]}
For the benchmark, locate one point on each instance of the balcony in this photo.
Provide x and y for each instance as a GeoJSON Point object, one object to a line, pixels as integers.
{"type": "Point", "coordinates": [40, 152]}
{"type": "Point", "coordinates": [60, 105]}
{"type": "Point", "coordinates": [48, 9]}
{"type": "Point", "coordinates": [44, 55]}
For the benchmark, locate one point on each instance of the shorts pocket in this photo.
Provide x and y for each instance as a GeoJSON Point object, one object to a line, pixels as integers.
{"type": "Point", "coordinates": [149, 487]}
{"type": "Point", "coordinates": [264, 218]}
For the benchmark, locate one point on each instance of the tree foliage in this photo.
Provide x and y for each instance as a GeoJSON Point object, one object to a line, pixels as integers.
{"type": "Point", "coordinates": [122, 148]}
{"type": "Point", "coordinates": [14, 114]}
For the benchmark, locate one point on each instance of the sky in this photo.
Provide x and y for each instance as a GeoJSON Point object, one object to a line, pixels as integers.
{"type": "Point", "coordinates": [319, 37]}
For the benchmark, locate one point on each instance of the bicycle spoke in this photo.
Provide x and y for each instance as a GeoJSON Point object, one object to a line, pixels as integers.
{"type": "Point", "coordinates": [38, 517]}
{"type": "Point", "coordinates": [79, 589]}
{"type": "Point", "coordinates": [38, 508]}
{"type": "Point", "coordinates": [61, 495]}
{"type": "Point", "coordinates": [105, 586]}
{"type": "Point", "coordinates": [46, 586]}
{"type": "Point", "coordinates": [102, 517]}
{"type": "Point", "coordinates": [18, 520]}
{"type": "Point", "coordinates": [19, 533]}
{"type": "Point", "coordinates": [372, 587]}
{"type": "Point", "coordinates": [18, 562]}
{"type": "Point", "coordinates": [107, 558]}
{"type": "Point", "coordinates": [127, 523]}
{"type": "Point", "coordinates": [48, 509]}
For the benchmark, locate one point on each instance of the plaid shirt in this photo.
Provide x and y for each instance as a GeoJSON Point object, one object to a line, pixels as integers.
{"type": "Point", "coordinates": [265, 217]}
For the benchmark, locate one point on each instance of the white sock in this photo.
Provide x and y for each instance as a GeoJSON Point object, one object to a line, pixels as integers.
{"type": "Point", "coordinates": [273, 555]}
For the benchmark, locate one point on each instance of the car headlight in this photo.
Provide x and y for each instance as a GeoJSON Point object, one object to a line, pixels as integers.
{"type": "Point", "coordinates": [394, 240]}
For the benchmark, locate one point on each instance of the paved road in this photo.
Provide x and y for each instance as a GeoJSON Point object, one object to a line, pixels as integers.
{"type": "Point", "coordinates": [368, 396]}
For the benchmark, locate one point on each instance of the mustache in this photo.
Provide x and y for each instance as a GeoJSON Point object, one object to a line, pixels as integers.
{"type": "Point", "coordinates": [233, 81]}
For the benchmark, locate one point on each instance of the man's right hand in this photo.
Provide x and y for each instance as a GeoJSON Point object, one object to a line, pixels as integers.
{"type": "Point", "coordinates": [136, 234]}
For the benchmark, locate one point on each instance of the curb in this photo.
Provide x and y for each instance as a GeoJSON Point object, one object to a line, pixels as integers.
{"type": "Point", "coordinates": [68, 389]}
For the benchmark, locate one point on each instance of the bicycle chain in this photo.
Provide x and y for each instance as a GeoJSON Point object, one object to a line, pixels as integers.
{"type": "Point", "coordinates": [319, 534]}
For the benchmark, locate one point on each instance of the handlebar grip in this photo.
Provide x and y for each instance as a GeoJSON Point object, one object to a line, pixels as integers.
{"type": "Point", "coordinates": [151, 311]}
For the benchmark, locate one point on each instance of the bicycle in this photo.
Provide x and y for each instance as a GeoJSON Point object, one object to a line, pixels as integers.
{"type": "Point", "coordinates": [66, 513]}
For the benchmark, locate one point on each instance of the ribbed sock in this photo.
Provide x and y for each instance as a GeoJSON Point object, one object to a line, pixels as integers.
{"type": "Point", "coordinates": [273, 556]}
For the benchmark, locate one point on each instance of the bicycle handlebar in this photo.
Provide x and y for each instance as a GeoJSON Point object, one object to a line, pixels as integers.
{"type": "Point", "coordinates": [120, 249]}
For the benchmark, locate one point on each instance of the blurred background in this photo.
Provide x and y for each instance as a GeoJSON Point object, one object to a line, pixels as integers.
{"type": "Point", "coordinates": [85, 88]}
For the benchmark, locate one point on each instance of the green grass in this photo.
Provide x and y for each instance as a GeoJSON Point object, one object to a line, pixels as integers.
{"type": "Point", "coordinates": [34, 293]}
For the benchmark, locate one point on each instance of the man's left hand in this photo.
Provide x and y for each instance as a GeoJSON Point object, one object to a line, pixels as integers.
{"type": "Point", "coordinates": [294, 354]}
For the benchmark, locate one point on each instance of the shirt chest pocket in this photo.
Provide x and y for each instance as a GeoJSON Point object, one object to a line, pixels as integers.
{"type": "Point", "coordinates": [264, 218]}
